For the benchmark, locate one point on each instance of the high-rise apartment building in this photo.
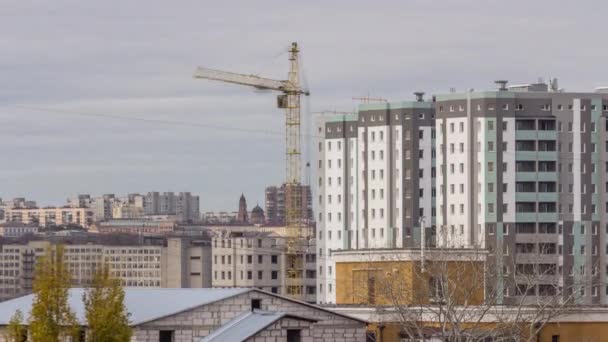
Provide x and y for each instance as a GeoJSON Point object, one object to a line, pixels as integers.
{"type": "Point", "coordinates": [523, 171]}
{"type": "Point", "coordinates": [374, 181]}
{"type": "Point", "coordinates": [184, 205]}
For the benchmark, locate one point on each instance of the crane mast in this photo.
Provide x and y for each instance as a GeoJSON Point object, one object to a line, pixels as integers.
{"type": "Point", "coordinates": [297, 230]}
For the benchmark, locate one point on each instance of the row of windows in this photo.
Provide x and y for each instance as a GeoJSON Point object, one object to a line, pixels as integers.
{"type": "Point", "coordinates": [519, 106]}
{"type": "Point", "coordinates": [227, 259]}
{"type": "Point", "coordinates": [227, 275]}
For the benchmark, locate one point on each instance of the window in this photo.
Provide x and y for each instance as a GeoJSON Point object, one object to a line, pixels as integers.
{"type": "Point", "coordinates": [165, 336]}
{"type": "Point", "coordinates": [294, 335]}
{"type": "Point", "coordinates": [256, 304]}
{"type": "Point", "coordinates": [274, 259]}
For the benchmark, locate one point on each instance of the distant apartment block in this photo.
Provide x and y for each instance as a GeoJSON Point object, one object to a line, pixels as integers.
{"type": "Point", "coordinates": [50, 216]}
{"type": "Point", "coordinates": [184, 205]}
{"type": "Point", "coordinates": [171, 262]}
{"type": "Point", "coordinates": [16, 229]}
{"type": "Point", "coordinates": [276, 202]}
{"type": "Point", "coordinates": [134, 227]}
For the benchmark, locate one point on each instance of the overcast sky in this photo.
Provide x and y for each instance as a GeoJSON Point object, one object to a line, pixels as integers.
{"type": "Point", "coordinates": [63, 62]}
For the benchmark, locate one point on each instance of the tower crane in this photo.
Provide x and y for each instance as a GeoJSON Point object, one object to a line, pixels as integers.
{"type": "Point", "coordinates": [297, 235]}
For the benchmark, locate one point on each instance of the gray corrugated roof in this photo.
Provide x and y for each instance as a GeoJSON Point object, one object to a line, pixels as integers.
{"type": "Point", "coordinates": [246, 325]}
{"type": "Point", "coordinates": [144, 305]}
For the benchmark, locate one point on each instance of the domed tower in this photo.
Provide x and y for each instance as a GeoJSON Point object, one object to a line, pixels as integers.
{"type": "Point", "coordinates": [257, 215]}
{"type": "Point", "coordinates": [242, 217]}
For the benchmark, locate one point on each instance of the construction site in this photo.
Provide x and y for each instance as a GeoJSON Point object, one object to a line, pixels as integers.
{"type": "Point", "coordinates": [298, 230]}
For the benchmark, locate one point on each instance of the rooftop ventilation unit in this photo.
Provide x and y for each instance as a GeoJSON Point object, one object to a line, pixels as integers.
{"type": "Point", "coordinates": [502, 84]}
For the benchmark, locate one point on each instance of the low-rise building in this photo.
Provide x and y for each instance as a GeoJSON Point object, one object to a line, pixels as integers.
{"type": "Point", "coordinates": [134, 226]}
{"type": "Point", "coordinates": [249, 258]}
{"type": "Point", "coordinates": [210, 315]}
{"type": "Point", "coordinates": [17, 229]}
{"type": "Point", "coordinates": [182, 262]}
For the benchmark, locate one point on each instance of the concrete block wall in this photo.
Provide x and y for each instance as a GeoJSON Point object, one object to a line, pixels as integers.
{"type": "Point", "coordinates": [200, 321]}
{"type": "Point", "coordinates": [277, 332]}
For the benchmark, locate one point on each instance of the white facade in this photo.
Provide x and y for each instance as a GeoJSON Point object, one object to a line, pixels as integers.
{"type": "Point", "coordinates": [375, 180]}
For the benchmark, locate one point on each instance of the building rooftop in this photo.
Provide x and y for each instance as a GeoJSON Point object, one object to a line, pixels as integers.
{"type": "Point", "coordinates": [138, 302]}
{"type": "Point", "coordinates": [247, 325]}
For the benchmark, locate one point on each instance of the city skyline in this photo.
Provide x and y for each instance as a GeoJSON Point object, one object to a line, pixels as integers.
{"type": "Point", "coordinates": [67, 67]}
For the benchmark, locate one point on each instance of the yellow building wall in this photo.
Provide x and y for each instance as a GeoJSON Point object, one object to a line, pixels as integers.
{"type": "Point", "coordinates": [404, 283]}
{"type": "Point", "coordinates": [577, 332]}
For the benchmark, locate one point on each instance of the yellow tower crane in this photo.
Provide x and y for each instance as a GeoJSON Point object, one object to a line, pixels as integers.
{"type": "Point", "coordinates": [297, 233]}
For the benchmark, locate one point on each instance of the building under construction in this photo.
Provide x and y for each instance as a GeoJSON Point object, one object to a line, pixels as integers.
{"type": "Point", "coordinates": [276, 202]}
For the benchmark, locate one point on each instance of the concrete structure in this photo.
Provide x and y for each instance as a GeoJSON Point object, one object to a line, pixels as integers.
{"type": "Point", "coordinates": [219, 217]}
{"type": "Point", "coordinates": [16, 229]}
{"type": "Point", "coordinates": [523, 172]}
{"type": "Point", "coordinates": [51, 216]}
{"type": "Point", "coordinates": [102, 207]}
{"type": "Point", "coordinates": [185, 315]}
{"type": "Point", "coordinates": [247, 258]}
{"type": "Point", "coordinates": [184, 205]}
{"type": "Point", "coordinates": [374, 181]}
{"type": "Point", "coordinates": [520, 171]}
{"type": "Point", "coordinates": [275, 203]}
{"type": "Point", "coordinates": [159, 262]}
{"type": "Point", "coordinates": [14, 203]}
{"type": "Point", "coordinates": [134, 226]}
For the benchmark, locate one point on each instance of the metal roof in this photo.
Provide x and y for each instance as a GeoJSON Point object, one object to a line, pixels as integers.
{"type": "Point", "coordinates": [144, 305]}
{"type": "Point", "coordinates": [246, 325]}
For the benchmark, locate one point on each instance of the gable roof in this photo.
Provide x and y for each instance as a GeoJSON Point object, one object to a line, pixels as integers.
{"type": "Point", "coordinates": [247, 325]}
{"type": "Point", "coordinates": [314, 306]}
{"type": "Point", "coordinates": [149, 304]}
{"type": "Point", "coordinates": [144, 305]}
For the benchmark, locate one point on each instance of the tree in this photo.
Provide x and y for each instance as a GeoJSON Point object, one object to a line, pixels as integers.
{"type": "Point", "coordinates": [51, 318]}
{"type": "Point", "coordinates": [16, 331]}
{"type": "Point", "coordinates": [106, 314]}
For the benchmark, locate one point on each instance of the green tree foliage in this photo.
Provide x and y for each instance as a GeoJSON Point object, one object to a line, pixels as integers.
{"type": "Point", "coordinates": [16, 331]}
{"type": "Point", "coordinates": [51, 318]}
{"type": "Point", "coordinates": [107, 318]}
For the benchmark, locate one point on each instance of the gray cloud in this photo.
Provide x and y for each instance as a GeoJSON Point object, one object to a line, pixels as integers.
{"type": "Point", "coordinates": [135, 59]}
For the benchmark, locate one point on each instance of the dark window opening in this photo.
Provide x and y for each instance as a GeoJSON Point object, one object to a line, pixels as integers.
{"type": "Point", "coordinates": [256, 304]}
{"type": "Point", "coordinates": [293, 335]}
{"type": "Point", "coordinates": [165, 336]}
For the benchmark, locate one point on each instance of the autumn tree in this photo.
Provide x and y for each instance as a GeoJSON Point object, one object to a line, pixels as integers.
{"type": "Point", "coordinates": [107, 318]}
{"type": "Point", "coordinates": [16, 331]}
{"type": "Point", "coordinates": [51, 318]}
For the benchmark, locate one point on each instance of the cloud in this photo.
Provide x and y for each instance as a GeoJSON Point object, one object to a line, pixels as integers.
{"type": "Point", "coordinates": [135, 60]}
